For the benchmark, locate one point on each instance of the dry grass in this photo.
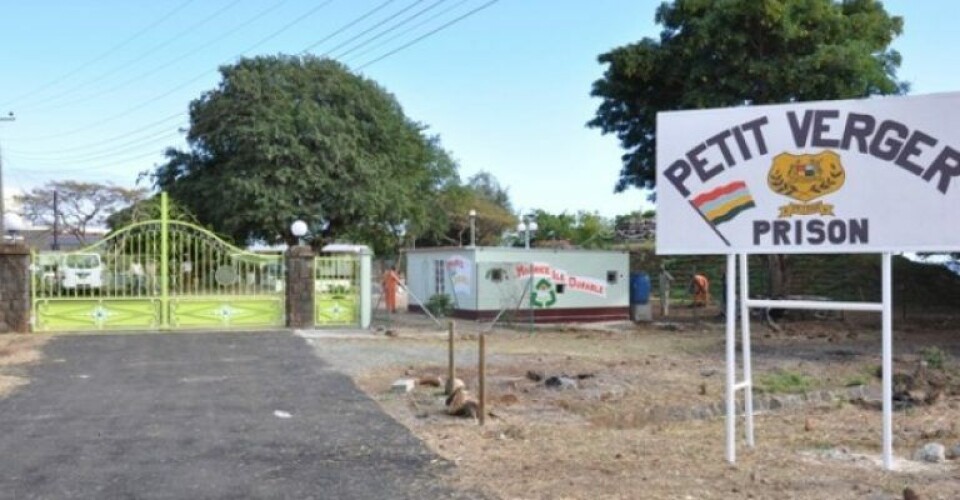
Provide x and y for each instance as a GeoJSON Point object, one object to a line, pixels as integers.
{"type": "Point", "coordinates": [616, 437]}
{"type": "Point", "coordinates": [17, 351]}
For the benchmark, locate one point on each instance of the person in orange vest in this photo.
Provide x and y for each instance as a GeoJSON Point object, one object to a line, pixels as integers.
{"type": "Point", "coordinates": [390, 280]}
{"type": "Point", "coordinates": [700, 288]}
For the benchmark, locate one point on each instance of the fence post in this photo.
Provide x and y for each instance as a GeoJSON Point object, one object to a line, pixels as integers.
{"type": "Point", "coordinates": [300, 303]}
{"type": "Point", "coordinates": [482, 372]}
{"type": "Point", "coordinates": [15, 303]}
{"type": "Point", "coordinates": [451, 363]}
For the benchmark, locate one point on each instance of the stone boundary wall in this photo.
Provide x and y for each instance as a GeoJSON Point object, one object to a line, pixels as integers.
{"type": "Point", "coordinates": [14, 288]}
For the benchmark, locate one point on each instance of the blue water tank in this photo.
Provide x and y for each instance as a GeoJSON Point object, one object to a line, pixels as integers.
{"type": "Point", "coordinates": [639, 288]}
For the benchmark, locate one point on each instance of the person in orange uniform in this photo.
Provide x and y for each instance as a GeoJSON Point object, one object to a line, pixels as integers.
{"type": "Point", "coordinates": [700, 288]}
{"type": "Point", "coordinates": [390, 281]}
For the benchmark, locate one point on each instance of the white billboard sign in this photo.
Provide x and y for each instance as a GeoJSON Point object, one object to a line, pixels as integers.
{"type": "Point", "coordinates": [870, 175]}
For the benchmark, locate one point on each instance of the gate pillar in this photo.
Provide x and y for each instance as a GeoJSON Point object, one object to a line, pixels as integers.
{"type": "Point", "coordinates": [300, 287]}
{"type": "Point", "coordinates": [14, 288]}
{"type": "Point", "coordinates": [366, 286]}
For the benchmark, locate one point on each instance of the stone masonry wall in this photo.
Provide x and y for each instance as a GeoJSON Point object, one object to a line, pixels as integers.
{"type": "Point", "coordinates": [14, 289]}
{"type": "Point", "coordinates": [300, 287]}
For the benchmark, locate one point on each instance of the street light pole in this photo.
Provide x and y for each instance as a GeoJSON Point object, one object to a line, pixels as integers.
{"type": "Point", "coordinates": [527, 226]}
{"type": "Point", "coordinates": [473, 228]}
{"type": "Point", "coordinates": [9, 118]}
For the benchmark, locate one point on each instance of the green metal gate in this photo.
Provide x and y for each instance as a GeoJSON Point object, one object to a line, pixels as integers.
{"type": "Point", "coordinates": [158, 274]}
{"type": "Point", "coordinates": [337, 290]}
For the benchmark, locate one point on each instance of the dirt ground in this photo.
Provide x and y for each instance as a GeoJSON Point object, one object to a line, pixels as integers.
{"type": "Point", "coordinates": [635, 427]}
{"type": "Point", "coordinates": [17, 351]}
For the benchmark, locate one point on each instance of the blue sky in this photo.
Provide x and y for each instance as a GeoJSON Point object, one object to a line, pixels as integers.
{"type": "Point", "coordinates": [100, 88]}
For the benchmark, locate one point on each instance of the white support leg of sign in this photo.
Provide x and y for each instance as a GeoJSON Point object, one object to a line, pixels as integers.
{"type": "Point", "coordinates": [887, 363]}
{"type": "Point", "coordinates": [731, 312]}
{"type": "Point", "coordinates": [746, 351]}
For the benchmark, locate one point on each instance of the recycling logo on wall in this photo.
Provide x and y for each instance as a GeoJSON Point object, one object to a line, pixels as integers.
{"type": "Point", "coordinates": [543, 294]}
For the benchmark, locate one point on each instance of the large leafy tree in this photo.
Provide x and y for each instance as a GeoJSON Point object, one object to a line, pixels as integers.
{"type": "Point", "coordinates": [741, 52]}
{"type": "Point", "coordinates": [284, 138]}
{"type": "Point", "coordinates": [482, 193]}
{"type": "Point", "coordinates": [583, 229]}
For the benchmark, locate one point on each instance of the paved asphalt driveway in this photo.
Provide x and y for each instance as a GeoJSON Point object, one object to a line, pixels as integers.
{"type": "Point", "coordinates": [193, 416]}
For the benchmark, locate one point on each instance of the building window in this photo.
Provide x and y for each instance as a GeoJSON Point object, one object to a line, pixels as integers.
{"type": "Point", "coordinates": [439, 278]}
{"type": "Point", "coordinates": [495, 275]}
{"type": "Point", "coordinates": [612, 277]}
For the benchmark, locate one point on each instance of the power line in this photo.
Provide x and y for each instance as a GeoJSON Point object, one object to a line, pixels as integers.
{"type": "Point", "coordinates": [191, 52]}
{"type": "Point", "coordinates": [112, 164]}
{"type": "Point", "coordinates": [276, 33]}
{"type": "Point", "coordinates": [348, 25]}
{"type": "Point", "coordinates": [287, 26]}
{"type": "Point", "coordinates": [428, 34]}
{"type": "Point", "coordinates": [115, 138]}
{"type": "Point", "coordinates": [375, 26]}
{"type": "Point", "coordinates": [390, 29]}
{"type": "Point", "coordinates": [97, 155]}
{"type": "Point", "coordinates": [57, 101]}
{"type": "Point", "coordinates": [196, 78]}
{"type": "Point", "coordinates": [410, 29]}
{"type": "Point", "coordinates": [102, 56]}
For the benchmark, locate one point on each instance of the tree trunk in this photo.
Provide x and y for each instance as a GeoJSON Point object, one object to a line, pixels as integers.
{"type": "Point", "coordinates": [778, 284]}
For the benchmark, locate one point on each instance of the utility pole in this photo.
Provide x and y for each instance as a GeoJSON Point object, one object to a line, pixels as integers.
{"type": "Point", "coordinates": [3, 231]}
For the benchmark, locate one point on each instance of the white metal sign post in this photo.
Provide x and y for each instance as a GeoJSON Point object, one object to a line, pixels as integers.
{"type": "Point", "coordinates": [858, 176]}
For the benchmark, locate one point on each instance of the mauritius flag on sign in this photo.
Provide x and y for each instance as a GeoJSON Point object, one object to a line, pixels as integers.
{"type": "Point", "coordinates": [723, 203]}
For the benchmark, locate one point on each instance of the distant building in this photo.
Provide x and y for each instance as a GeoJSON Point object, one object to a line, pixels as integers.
{"type": "Point", "coordinates": [42, 239]}
{"type": "Point", "coordinates": [541, 284]}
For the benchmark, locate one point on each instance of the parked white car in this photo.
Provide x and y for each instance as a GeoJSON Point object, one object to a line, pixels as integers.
{"type": "Point", "coordinates": [81, 271]}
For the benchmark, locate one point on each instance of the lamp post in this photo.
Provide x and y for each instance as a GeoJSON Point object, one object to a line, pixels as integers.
{"type": "Point", "coordinates": [298, 229]}
{"type": "Point", "coordinates": [473, 228]}
{"type": "Point", "coordinates": [527, 226]}
{"type": "Point", "coordinates": [12, 224]}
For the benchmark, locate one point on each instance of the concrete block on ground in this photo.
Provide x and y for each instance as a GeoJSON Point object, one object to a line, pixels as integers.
{"type": "Point", "coordinates": [641, 313]}
{"type": "Point", "coordinates": [403, 385]}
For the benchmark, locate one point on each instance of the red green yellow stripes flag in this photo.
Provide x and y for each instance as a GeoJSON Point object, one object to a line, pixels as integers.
{"type": "Point", "coordinates": [723, 203]}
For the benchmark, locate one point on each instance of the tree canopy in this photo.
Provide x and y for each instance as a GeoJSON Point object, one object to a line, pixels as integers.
{"type": "Point", "coordinates": [79, 207]}
{"type": "Point", "coordinates": [739, 52]}
{"type": "Point", "coordinates": [284, 138]}
{"type": "Point", "coordinates": [583, 229]}
{"type": "Point", "coordinates": [483, 193]}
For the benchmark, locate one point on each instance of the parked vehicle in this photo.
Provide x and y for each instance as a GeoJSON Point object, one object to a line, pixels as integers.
{"type": "Point", "coordinates": [81, 271]}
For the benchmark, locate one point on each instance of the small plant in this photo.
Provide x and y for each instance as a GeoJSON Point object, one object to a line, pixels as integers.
{"type": "Point", "coordinates": [856, 380]}
{"type": "Point", "coordinates": [439, 305]}
{"type": "Point", "coordinates": [934, 356]}
{"type": "Point", "coordinates": [784, 382]}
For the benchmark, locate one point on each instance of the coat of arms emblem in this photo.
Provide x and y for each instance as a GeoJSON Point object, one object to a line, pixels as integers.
{"type": "Point", "coordinates": [805, 178]}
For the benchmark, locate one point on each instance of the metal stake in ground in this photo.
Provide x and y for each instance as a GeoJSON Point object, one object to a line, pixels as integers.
{"type": "Point", "coordinates": [482, 374]}
{"type": "Point", "coordinates": [451, 363]}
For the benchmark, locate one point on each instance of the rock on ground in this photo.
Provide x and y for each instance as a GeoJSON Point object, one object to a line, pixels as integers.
{"type": "Point", "coordinates": [931, 452]}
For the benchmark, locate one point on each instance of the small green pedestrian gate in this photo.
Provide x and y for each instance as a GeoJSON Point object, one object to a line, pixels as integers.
{"type": "Point", "coordinates": [157, 275]}
{"type": "Point", "coordinates": [337, 290]}
{"type": "Point", "coordinates": [342, 292]}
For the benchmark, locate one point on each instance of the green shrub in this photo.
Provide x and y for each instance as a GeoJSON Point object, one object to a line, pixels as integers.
{"type": "Point", "coordinates": [784, 382]}
{"type": "Point", "coordinates": [935, 357]}
{"type": "Point", "coordinates": [439, 305]}
{"type": "Point", "coordinates": [856, 380]}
